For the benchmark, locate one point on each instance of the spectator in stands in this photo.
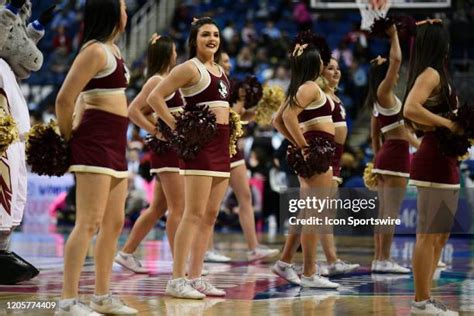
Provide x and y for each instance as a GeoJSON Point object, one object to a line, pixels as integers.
{"type": "Point", "coordinates": [245, 61]}
{"type": "Point", "coordinates": [280, 78]}
{"type": "Point", "coordinates": [229, 31]}
{"type": "Point", "coordinates": [61, 39]}
{"type": "Point", "coordinates": [249, 34]}
{"type": "Point", "coordinates": [302, 16]}
{"type": "Point", "coordinates": [271, 31]}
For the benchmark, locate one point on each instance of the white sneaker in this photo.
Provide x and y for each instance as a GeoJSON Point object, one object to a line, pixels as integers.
{"type": "Point", "coordinates": [286, 271]}
{"type": "Point", "coordinates": [441, 264]}
{"type": "Point", "coordinates": [340, 267]}
{"type": "Point", "coordinates": [318, 281]}
{"type": "Point", "coordinates": [206, 288]}
{"type": "Point", "coordinates": [182, 288]}
{"type": "Point", "coordinates": [322, 269]}
{"type": "Point", "coordinates": [130, 262]}
{"type": "Point", "coordinates": [431, 307]}
{"type": "Point", "coordinates": [262, 252]}
{"type": "Point", "coordinates": [76, 309]}
{"type": "Point", "coordinates": [389, 266]}
{"type": "Point", "coordinates": [112, 305]}
{"type": "Point", "coordinates": [374, 266]}
{"type": "Point", "coordinates": [214, 256]}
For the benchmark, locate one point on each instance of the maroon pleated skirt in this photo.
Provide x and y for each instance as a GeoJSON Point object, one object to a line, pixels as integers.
{"type": "Point", "coordinates": [430, 168]}
{"type": "Point", "coordinates": [99, 144]}
{"type": "Point", "coordinates": [393, 158]}
{"type": "Point", "coordinates": [213, 159]}
{"type": "Point", "coordinates": [237, 159]}
{"type": "Point", "coordinates": [336, 163]}
{"type": "Point", "coordinates": [166, 162]}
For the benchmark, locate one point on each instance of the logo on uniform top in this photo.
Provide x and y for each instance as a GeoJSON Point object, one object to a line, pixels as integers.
{"type": "Point", "coordinates": [5, 185]}
{"type": "Point", "coordinates": [223, 89]}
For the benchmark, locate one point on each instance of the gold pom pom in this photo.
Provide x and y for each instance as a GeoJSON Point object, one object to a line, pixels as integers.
{"type": "Point", "coordinates": [271, 100]}
{"type": "Point", "coordinates": [8, 132]}
{"type": "Point", "coordinates": [467, 154]}
{"type": "Point", "coordinates": [235, 131]}
{"type": "Point", "coordinates": [370, 179]}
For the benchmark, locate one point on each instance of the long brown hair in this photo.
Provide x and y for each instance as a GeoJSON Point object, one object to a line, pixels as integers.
{"type": "Point", "coordinates": [159, 55]}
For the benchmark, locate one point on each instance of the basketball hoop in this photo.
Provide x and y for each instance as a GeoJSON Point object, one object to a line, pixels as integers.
{"type": "Point", "coordinates": [371, 10]}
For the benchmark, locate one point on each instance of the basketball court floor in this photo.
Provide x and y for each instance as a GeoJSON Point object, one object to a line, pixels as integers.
{"type": "Point", "coordinates": [252, 289]}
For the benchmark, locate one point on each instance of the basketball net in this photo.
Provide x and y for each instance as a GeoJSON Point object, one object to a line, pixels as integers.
{"type": "Point", "coordinates": [371, 10]}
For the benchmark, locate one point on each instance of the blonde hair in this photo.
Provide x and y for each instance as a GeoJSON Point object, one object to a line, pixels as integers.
{"type": "Point", "coordinates": [324, 84]}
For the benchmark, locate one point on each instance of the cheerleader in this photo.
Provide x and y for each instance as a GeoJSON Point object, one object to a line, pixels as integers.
{"type": "Point", "coordinates": [169, 187]}
{"type": "Point", "coordinates": [202, 82]}
{"type": "Point", "coordinates": [239, 183]}
{"type": "Point", "coordinates": [392, 160]}
{"type": "Point", "coordinates": [96, 82]}
{"type": "Point", "coordinates": [306, 116]}
{"type": "Point", "coordinates": [328, 82]}
{"type": "Point", "coordinates": [435, 175]}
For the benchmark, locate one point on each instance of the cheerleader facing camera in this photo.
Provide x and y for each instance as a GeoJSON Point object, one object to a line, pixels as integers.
{"type": "Point", "coordinates": [206, 176]}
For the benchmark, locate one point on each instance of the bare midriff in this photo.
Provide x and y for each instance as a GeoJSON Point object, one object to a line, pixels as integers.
{"type": "Point", "coordinates": [320, 127]}
{"type": "Point", "coordinates": [114, 103]}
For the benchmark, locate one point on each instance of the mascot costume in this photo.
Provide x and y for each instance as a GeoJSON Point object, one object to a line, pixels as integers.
{"type": "Point", "coordinates": [19, 56]}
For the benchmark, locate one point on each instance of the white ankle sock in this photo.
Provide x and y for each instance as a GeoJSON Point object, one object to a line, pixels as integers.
{"type": "Point", "coordinates": [67, 302]}
{"type": "Point", "coordinates": [420, 303]}
{"type": "Point", "coordinates": [98, 298]}
{"type": "Point", "coordinates": [283, 264]}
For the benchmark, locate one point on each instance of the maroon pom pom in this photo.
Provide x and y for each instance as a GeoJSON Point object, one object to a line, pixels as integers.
{"type": "Point", "coordinates": [165, 130]}
{"type": "Point", "coordinates": [157, 145]}
{"type": "Point", "coordinates": [296, 162]}
{"type": "Point", "coordinates": [319, 155]}
{"type": "Point", "coordinates": [380, 26]}
{"type": "Point", "coordinates": [309, 37]}
{"type": "Point", "coordinates": [450, 144]}
{"type": "Point", "coordinates": [406, 26]}
{"type": "Point", "coordinates": [465, 119]}
{"type": "Point", "coordinates": [46, 151]}
{"type": "Point", "coordinates": [253, 91]}
{"type": "Point", "coordinates": [194, 128]}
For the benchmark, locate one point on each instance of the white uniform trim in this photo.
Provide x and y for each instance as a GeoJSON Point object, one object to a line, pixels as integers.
{"type": "Point", "coordinates": [208, 173]}
{"type": "Point", "coordinates": [340, 124]}
{"type": "Point", "coordinates": [237, 163]}
{"type": "Point", "coordinates": [392, 126]}
{"type": "Point", "coordinates": [202, 84]}
{"type": "Point", "coordinates": [394, 110]}
{"type": "Point", "coordinates": [100, 170]}
{"type": "Point", "coordinates": [317, 104]}
{"type": "Point", "coordinates": [102, 92]}
{"type": "Point", "coordinates": [391, 173]}
{"type": "Point", "coordinates": [215, 104]}
{"type": "Point", "coordinates": [427, 184]}
{"type": "Point", "coordinates": [337, 179]}
{"type": "Point", "coordinates": [164, 169]}
{"type": "Point", "coordinates": [319, 119]}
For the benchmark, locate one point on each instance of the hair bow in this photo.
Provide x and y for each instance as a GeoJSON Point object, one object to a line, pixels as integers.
{"type": "Point", "coordinates": [299, 49]}
{"type": "Point", "coordinates": [154, 38]}
{"type": "Point", "coordinates": [195, 20]}
{"type": "Point", "coordinates": [430, 21]}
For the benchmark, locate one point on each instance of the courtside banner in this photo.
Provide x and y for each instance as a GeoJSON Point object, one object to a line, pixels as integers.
{"type": "Point", "coordinates": [359, 211]}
